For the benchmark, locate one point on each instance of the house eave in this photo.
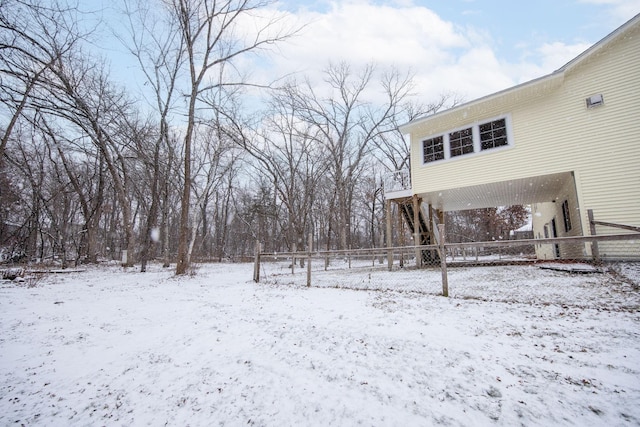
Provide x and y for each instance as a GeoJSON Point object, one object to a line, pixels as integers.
{"type": "Point", "coordinates": [551, 81]}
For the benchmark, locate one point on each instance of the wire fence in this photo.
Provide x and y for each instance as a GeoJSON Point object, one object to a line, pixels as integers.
{"type": "Point", "coordinates": [435, 269]}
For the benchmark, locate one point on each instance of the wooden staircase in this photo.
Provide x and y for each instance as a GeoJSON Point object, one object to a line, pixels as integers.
{"type": "Point", "coordinates": [420, 222]}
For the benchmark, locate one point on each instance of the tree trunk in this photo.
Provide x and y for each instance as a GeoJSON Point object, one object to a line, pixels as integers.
{"type": "Point", "coordinates": [183, 239]}
{"type": "Point", "coordinates": [152, 217]}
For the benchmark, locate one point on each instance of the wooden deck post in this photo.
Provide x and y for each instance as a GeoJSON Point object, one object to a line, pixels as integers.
{"type": "Point", "coordinates": [401, 235]}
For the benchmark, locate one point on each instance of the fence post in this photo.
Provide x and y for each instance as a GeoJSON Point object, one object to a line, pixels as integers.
{"type": "Point", "coordinates": [309, 248]}
{"type": "Point", "coordinates": [389, 253]}
{"type": "Point", "coordinates": [443, 262]}
{"type": "Point", "coordinates": [293, 258]}
{"type": "Point", "coordinates": [416, 231]}
{"type": "Point", "coordinates": [401, 233]}
{"type": "Point", "coordinates": [256, 263]}
{"type": "Point", "coordinates": [595, 252]}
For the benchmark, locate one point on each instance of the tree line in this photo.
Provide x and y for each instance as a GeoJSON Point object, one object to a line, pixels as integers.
{"type": "Point", "coordinates": [189, 170]}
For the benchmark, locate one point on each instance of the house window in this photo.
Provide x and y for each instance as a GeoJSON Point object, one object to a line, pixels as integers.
{"type": "Point", "coordinates": [433, 149]}
{"type": "Point", "coordinates": [461, 142]}
{"type": "Point", "coordinates": [493, 134]}
{"type": "Point", "coordinates": [473, 140]}
{"type": "Point", "coordinates": [566, 215]}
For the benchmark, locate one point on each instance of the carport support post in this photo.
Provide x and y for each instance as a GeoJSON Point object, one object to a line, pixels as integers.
{"type": "Point", "coordinates": [443, 262]}
{"type": "Point", "coordinates": [416, 230]}
{"type": "Point", "coordinates": [389, 252]}
{"type": "Point", "coordinates": [595, 252]}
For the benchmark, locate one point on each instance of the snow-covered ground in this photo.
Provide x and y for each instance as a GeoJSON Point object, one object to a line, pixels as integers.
{"type": "Point", "coordinates": [512, 346]}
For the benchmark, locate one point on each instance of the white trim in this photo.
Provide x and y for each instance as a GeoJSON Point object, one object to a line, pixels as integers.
{"type": "Point", "coordinates": [399, 194]}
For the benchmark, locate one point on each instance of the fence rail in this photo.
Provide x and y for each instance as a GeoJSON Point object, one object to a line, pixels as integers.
{"type": "Point", "coordinates": [388, 267]}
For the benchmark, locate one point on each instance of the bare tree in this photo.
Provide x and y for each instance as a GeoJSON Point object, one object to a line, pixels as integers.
{"type": "Point", "coordinates": [87, 178]}
{"type": "Point", "coordinates": [12, 212]}
{"type": "Point", "coordinates": [49, 227]}
{"type": "Point", "coordinates": [77, 90]}
{"type": "Point", "coordinates": [286, 150]}
{"type": "Point", "coordinates": [225, 211]}
{"type": "Point", "coordinates": [27, 165]}
{"type": "Point", "coordinates": [207, 30]}
{"type": "Point", "coordinates": [63, 87]}
{"type": "Point", "coordinates": [215, 161]}
{"type": "Point", "coordinates": [346, 123]}
{"type": "Point", "coordinates": [34, 35]}
{"type": "Point", "coordinates": [158, 47]}
{"type": "Point", "coordinates": [392, 148]}
{"type": "Point", "coordinates": [210, 36]}
{"type": "Point", "coordinates": [485, 223]}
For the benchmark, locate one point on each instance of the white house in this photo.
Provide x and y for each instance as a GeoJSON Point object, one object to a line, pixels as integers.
{"type": "Point", "coordinates": [563, 144]}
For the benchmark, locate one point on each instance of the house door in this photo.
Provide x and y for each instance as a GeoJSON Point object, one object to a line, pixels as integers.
{"type": "Point", "coordinates": [554, 233]}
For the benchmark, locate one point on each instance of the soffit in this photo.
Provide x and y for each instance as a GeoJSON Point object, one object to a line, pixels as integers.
{"type": "Point", "coordinates": [523, 191]}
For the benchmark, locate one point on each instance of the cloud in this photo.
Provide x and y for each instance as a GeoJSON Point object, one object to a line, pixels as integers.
{"type": "Point", "coordinates": [555, 55]}
{"type": "Point", "coordinates": [543, 60]}
{"type": "Point", "coordinates": [444, 56]}
{"type": "Point", "coordinates": [620, 10]}
{"type": "Point", "coordinates": [360, 32]}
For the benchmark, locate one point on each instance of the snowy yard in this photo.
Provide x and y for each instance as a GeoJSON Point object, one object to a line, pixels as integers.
{"type": "Point", "coordinates": [512, 346]}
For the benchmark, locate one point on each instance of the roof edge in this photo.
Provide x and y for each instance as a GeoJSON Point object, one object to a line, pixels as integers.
{"type": "Point", "coordinates": [600, 44]}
